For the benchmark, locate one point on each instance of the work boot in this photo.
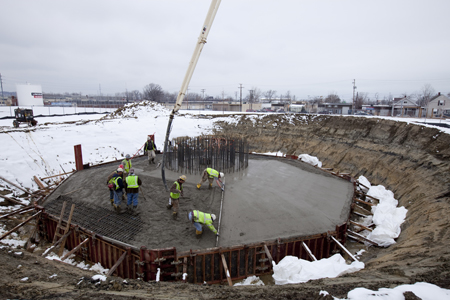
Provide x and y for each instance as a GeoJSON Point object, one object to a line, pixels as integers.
{"type": "Point", "coordinates": [114, 206]}
{"type": "Point", "coordinates": [153, 161]}
{"type": "Point", "coordinates": [129, 209]}
{"type": "Point", "coordinates": [210, 186]}
{"type": "Point", "coordinates": [149, 162]}
{"type": "Point", "coordinates": [174, 215]}
{"type": "Point", "coordinates": [118, 209]}
{"type": "Point", "coordinates": [199, 233]}
{"type": "Point", "coordinates": [199, 185]}
{"type": "Point", "coordinates": [112, 202]}
{"type": "Point", "coordinates": [134, 211]}
{"type": "Point", "coordinates": [169, 206]}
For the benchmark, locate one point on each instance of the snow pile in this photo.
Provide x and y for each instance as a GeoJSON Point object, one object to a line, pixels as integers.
{"type": "Point", "coordinates": [277, 154]}
{"type": "Point", "coordinates": [13, 240]}
{"type": "Point", "coordinates": [312, 160]}
{"type": "Point", "coordinates": [82, 265]}
{"type": "Point", "coordinates": [252, 280]}
{"type": "Point", "coordinates": [386, 215]}
{"type": "Point", "coordinates": [423, 290]}
{"type": "Point", "coordinates": [294, 270]}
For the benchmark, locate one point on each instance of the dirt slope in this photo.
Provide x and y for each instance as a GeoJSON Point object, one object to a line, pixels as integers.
{"type": "Point", "coordinates": [411, 160]}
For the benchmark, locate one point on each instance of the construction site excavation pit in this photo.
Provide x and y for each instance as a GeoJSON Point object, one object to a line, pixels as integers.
{"type": "Point", "coordinates": [270, 199]}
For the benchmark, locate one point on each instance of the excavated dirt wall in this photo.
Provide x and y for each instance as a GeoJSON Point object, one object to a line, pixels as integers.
{"type": "Point", "coordinates": [411, 160]}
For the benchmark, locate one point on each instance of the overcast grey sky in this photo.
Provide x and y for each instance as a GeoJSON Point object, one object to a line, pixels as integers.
{"type": "Point", "coordinates": [309, 48]}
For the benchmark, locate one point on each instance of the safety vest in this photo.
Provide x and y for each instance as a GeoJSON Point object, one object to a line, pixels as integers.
{"type": "Point", "coordinates": [126, 165]}
{"type": "Point", "coordinates": [132, 182]}
{"type": "Point", "coordinates": [179, 187]}
{"type": "Point", "coordinates": [205, 219]}
{"type": "Point", "coordinates": [150, 145]}
{"type": "Point", "coordinates": [212, 173]}
{"type": "Point", "coordinates": [116, 184]}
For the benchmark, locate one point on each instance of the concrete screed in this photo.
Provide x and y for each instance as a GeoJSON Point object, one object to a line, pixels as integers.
{"type": "Point", "coordinates": [272, 198]}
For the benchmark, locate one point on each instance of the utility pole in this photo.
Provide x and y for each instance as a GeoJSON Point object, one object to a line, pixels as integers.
{"type": "Point", "coordinates": [240, 103]}
{"type": "Point", "coordinates": [251, 99]}
{"type": "Point", "coordinates": [1, 83]}
{"type": "Point", "coordinates": [203, 98]}
{"type": "Point", "coordinates": [223, 102]}
{"type": "Point", "coordinates": [353, 103]}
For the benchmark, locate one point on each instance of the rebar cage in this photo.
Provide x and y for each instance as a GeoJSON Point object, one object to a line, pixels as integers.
{"type": "Point", "coordinates": [193, 155]}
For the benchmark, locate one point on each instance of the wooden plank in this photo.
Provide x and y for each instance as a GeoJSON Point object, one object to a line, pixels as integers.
{"type": "Point", "coordinates": [343, 248]}
{"type": "Point", "coordinates": [362, 237]}
{"type": "Point", "coordinates": [20, 188]}
{"type": "Point", "coordinates": [75, 249]}
{"type": "Point", "coordinates": [364, 202]}
{"type": "Point", "coordinates": [67, 228]}
{"type": "Point", "coordinates": [57, 175]}
{"type": "Point", "coordinates": [39, 183]}
{"type": "Point", "coordinates": [20, 210]}
{"type": "Point", "coordinates": [309, 252]}
{"type": "Point", "coordinates": [363, 209]}
{"type": "Point", "coordinates": [268, 254]}
{"type": "Point", "coordinates": [20, 225]}
{"type": "Point", "coordinates": [360, 225]}
{"type": "Point", "coordinates": [227, 273]}
{"type": "Point", "coordinates": [13, 200]}
{"type": "Point", "coordinates": [119, 261]}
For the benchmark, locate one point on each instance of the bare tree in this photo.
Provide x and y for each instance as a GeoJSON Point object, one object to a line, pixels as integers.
{"type": "Point", "coordinates": [425, 95]}
{"type": "Point", "coordinates": [153, 92]}
{"type": "Point", "coordinates": [360, 99]}
{"type": "Point", "coordinates": [269, 94]}
{"type": "Point", "coordinates": [332, 98]}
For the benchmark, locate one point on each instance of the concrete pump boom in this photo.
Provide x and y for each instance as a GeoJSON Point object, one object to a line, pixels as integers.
{"type": "Point", "coordinates": [187, 78]}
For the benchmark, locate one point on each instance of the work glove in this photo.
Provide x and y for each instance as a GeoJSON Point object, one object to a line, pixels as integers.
{"type": "Point", "coordinates": [217, 234]}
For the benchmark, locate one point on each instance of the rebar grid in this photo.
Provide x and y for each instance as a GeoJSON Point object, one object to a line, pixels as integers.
{"type": "Point", "coordinates": [100, 220]}
{"type": "Point", "coordinates": [193, 155]}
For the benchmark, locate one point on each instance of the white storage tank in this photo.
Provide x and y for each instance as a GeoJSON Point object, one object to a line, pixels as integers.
{"type": "Point", "coordinates": [29, 95]}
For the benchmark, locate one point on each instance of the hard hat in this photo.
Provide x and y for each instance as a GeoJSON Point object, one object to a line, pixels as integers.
{"type": "Point", "coordinates": [221, 175]}
{"type": "Point", "coordinates": [183, 177]}
{"type": "Point", "coordinates": [131, 171]}
{"type": "Point", "coordinates": [119, 170]}
{"type": "Point", "coordinates": [213, 217]}
{"type": "Point", "coordinates": [121, 166]}
{"type": "Point", "coordinates": [127, 156]}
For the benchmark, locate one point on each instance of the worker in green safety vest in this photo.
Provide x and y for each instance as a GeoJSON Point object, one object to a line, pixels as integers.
{"type": "Point", "coordinates": [126, 165]}
{"type": "Point", "coordinates": [200, 218]}
{"type": "Point", "coordinates": [210, 174]}
{"type": "Point", "coordinates": [175, 192]}
{"type": "Point", "coordinates": [132, 184]}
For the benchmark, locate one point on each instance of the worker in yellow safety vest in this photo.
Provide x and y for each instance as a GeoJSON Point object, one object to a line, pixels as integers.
{"type": "Point", "coordinates": [200, 218]}
{"type": "Point", "coordinates": [132, 184]}
{"type": "Point", "coordinates": [126, 165]}
{"type": "Point", "coordinates": [175, 191]}
{"type": "Point", "coordinates": [210, 174]}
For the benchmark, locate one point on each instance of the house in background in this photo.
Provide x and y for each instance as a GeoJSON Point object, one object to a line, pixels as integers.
{"type": "Point", "coordinates": [438, 106]}
{"type": "Point", "coordinates": [404, 107]}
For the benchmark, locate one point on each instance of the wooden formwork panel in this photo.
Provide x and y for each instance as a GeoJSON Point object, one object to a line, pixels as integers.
{"type": "Point", "coordinates": [200, 266]}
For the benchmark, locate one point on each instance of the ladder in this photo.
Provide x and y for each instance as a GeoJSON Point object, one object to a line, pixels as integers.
{"type": "Point", "coordinates": [65, 229]}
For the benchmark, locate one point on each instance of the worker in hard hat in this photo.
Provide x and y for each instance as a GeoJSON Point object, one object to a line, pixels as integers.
{"type": "Point", "coordinates": [126, 165]}
{"type": "Point", "coordinates": [200, 218]}
{"type": "Point", "coordinates": [118, 190]}
{"type": "Point", "coordinates": [150, 149]}
{"type": "Point", "coordinates": [109, 182]}
{"type": "Point", "coordinates": [210, 174]}
{"type": "Point", "coordinates": [175, 191]}
{"type": "Point", "coordinates": [132, 184]}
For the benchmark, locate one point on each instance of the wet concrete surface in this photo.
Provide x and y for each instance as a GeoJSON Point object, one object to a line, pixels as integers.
{"type": "Point", "coordinates": [279, 198]}
{"type": "Point", "coordinates": [273, 198]}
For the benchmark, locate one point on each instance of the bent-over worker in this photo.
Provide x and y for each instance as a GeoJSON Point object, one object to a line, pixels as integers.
{"type": "Point", "coordinates": [175, 191]}
{"type": "Point", "coordinates": [200, 218]}
{"type": "Point", "coordinates": [210, 174]}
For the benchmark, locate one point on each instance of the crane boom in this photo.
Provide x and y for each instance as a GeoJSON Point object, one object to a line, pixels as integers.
{"type": "Point", "coordinates": [187, 78]}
